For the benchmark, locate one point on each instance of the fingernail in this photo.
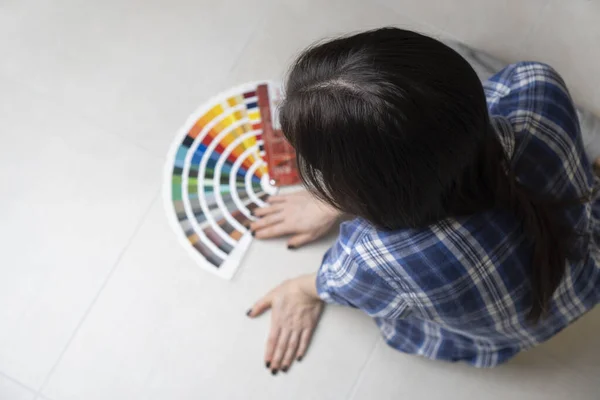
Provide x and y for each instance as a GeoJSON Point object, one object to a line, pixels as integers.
{"type": "Point", "coordinates": [299, 359]}
{"type": "Point", "coordinates": [253, 233]}
{"type": "Point", "coordinates": [284, 369]}
{"type": "Point", "coordinates": [274, 372]}
{"type": "Point", "coordinates": [268, 364]}
{"type": "Point", "coordinates": [290, 247]}
{"type": "Point", "coordinates": [249, 312]}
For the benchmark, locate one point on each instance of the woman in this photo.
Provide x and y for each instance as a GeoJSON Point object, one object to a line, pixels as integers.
{"type": "Point", "coordinates": [476, 230]}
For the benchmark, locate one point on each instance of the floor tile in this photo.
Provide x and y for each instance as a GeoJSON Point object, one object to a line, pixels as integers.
{"type": "Point", "coordinates": [10, 390]}
{"type": "Point", "coordinates": [533, 375]}
{"type": "Point", "coordinates": [134, 67]}
{"type": "Point", "coordinates": [91, 94]}
{"type": "Point", "coordinates": [568, 39]}
{"type": "Point", "coordinates": [179, 332]}
{"type": "Point", "coordinates": [578, 346]}
{"type": "Point", "coordinates": [12, 14]}
{"type": "Point", "coordinates": [499, 27]}
{"type": "Point", "coordinates": [73, 197]}
{"type": "Point", "coordinates": [291, 26]}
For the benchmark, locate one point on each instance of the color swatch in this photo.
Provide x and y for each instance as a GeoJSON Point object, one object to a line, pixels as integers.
{"type": "Point", "coordinates": [216, 175]}
{"type": "Point", "coordinates": [280, 155]}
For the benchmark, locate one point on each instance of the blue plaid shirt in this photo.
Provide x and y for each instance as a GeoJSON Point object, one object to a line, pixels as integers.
{"type": "Point", "coordinates": [459, 289]}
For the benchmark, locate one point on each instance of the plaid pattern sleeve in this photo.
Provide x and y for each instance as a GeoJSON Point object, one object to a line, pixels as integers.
{"type": "Point", "coordinates": [345, 277]}
{"type": "Point", "coordinates": [458, 290]}
{"type": "Point", "coordinates": [549, 157]}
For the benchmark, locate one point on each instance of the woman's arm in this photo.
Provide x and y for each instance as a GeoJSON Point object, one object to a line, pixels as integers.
{"type": "Point", "coordinates": [296, 309]}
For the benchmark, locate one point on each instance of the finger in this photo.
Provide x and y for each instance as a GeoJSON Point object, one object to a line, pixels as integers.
{"type": "Point", "coordinates": [304, 342]}
{"type": "Point", "coordinates": [282, 343]}
{"type": "Point", "coordinates": [271, 343]}
{"type": "Point", "coordinates": [262, 211]}
{"type": "Point", "coordinates": [290, 353]}
{"type": "Point", "coordinates": [274, 230]}
{"type": "Point", "coordinates": [278, 198]}
{"type": "Point", "coordinates": [299, 240]}
{"type": "Point", "coordinates": [260, 306]}
{"type": "Point", "coordinates": [266, 221]}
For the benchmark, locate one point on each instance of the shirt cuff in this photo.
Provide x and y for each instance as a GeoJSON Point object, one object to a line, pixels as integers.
{"type": "Point", "coordinates": [326, 292]}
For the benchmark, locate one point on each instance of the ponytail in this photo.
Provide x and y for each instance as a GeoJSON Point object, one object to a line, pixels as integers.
{"type": "Point", "coordinates": [550, 240]}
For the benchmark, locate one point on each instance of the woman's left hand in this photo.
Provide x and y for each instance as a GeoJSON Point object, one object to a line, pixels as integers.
{"type": "Point", "coordinates": [296, 309]}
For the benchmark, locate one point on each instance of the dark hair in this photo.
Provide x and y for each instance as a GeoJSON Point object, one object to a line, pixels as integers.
{"type": "Point", "coordinates": [393, 126]}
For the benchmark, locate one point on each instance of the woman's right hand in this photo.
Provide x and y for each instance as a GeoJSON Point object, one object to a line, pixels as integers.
{"type": "Point", "coordinates": [298, 214]}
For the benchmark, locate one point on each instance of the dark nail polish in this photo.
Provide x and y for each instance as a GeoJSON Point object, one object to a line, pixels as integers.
{"type": "Point", "coordinates": [290, 247]}
{"type": "Point", "coordinates": [253, 233]}
{"type": "Point", "coordinates": [299, 359]}
{"type": "Point", "coordinates": [268, 364]}
{"type": "Point", "coordinates": [249, 312]}
{"type": "Point", "coordinates": [284, 369]}
{"type": "Point", "coordinates": [274, 372]}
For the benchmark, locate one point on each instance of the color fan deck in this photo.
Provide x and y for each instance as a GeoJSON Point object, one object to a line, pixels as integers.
{"type": "Point", "coordinates": [216, 175]}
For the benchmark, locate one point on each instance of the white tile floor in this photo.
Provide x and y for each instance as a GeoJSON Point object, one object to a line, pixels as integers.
{"type": "Point", "coordinates": [98, 300]}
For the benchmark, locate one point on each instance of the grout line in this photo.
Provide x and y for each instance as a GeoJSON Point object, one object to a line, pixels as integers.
{"type": "Point", "coordinates": [361, 373]}
{"type": "Point", "coordinates": [16, 382]}
{"type": "Point", "coordinates": [98, 293]}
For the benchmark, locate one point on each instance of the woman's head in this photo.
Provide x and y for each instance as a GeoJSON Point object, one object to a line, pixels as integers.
{"type": "Point", "coordinates": [393, 126]}
{"type": "Point", "coordinates": [385, 123]}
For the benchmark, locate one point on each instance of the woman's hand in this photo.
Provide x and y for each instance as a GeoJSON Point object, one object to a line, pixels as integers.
{"type": "Point", "coordinates": [295, 312]}
{"type": "Point", "coordinates": [298, 214]}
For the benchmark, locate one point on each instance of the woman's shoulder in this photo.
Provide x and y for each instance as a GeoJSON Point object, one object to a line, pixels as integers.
{"type": "Point", "coordinates": [533, 95]}
{"type": "Point", "coordinates": [533, 102]}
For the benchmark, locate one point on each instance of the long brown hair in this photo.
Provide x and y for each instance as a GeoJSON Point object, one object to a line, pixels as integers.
{"type": "Point", "coordinates": [393, 126]}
